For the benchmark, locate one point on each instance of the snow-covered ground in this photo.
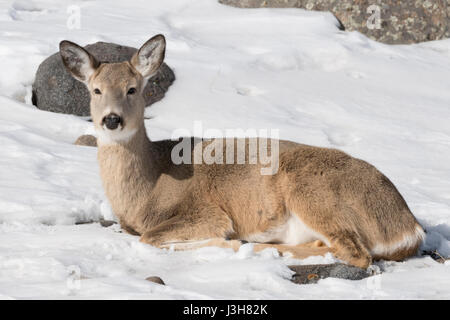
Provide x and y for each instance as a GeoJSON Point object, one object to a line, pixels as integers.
{"type": "Point", "coordinates": [285, 69]}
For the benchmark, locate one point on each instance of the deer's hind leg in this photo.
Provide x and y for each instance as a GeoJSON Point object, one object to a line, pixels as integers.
{"type": "Point", "coordinates": [300, 251]}
{"type": "Point", "coordinates": [348, 246]}
{"type": "Point", "coordinates": [335, 225]}
{"type": "Point", "coordinates": [343, 240]}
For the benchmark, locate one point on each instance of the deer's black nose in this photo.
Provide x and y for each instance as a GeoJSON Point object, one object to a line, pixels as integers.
{"type": "Point", "coordinates": [112, 121]}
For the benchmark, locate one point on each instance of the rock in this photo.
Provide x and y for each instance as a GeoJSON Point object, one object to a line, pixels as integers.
{"type": "Point", "coordinates": [157, 280]}
{"type": "Point", "coordinates": [107, 223]}
{"type": "Point", "coordinates": [86, 140]}
{"type": "Point", "coordinates": [400, 22]}
{"type": "Point", "coordinates": [312, 273]}
{"type": "Point", "coordinates": [54, 89]}
{"type": "Point", "coordinates": [436, 256]}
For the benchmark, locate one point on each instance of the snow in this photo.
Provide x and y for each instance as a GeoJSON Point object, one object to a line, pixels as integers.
{"type": "Point", "coordinates": [285, 69]}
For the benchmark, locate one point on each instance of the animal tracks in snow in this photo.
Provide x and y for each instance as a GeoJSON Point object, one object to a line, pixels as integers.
{"type": "Point", "coordinates": [249, 90]}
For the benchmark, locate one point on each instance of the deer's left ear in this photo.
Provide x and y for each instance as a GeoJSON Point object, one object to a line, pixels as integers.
{"type": "Point", "coordinates": [80, 63]}
{"type": "Point", "coordinates": [150, 56]}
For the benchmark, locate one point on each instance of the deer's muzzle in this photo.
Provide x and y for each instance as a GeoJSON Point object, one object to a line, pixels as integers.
{"type": "Point", "coordinates": [112, 121]}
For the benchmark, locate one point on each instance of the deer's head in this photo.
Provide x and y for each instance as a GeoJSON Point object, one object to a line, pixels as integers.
{"type": "Point", "coordinates": [116, 89]}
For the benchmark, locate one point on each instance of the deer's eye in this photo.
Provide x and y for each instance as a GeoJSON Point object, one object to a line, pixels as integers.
{"type": "Point", "coordinates": [131, 91]}
{"type": "Point", "coordinates": [97, 91]}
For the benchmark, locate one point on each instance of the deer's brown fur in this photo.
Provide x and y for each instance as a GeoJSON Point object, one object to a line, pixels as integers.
{"type": "Point", "coordinates": [346, 205]}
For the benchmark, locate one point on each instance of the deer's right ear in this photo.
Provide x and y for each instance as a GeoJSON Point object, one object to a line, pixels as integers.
{"type": "Point", "coordinates": [80, 63]}
{"type": "Point", "coordinates": [150, 56]}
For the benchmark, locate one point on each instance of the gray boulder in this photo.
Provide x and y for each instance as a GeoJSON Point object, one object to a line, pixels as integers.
{"type": "Point", "coordinates": [400, 22]}
{"type": "Point", "coordinates": [306, 274]}
{"type": "Point", "coordinates": [54, 89]}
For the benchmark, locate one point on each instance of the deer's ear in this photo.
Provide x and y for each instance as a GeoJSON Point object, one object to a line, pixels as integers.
{"type": "Point", "coordinates": [80, 63]}
{"type": "Point", "coordinates": [150, 56]}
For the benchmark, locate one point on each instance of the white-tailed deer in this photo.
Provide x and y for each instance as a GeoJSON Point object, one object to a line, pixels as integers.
{"type": "Point", "coordinates": [320, 200]}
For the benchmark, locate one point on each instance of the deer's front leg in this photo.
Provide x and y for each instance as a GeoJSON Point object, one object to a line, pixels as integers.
{"type": "Point", "coordinates": [206, 224]}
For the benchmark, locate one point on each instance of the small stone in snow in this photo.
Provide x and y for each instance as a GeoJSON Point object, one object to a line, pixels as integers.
{"type": "Point", "coordinates": [155, 279]}
{"type": "Point", "coordinates": [86, 140]}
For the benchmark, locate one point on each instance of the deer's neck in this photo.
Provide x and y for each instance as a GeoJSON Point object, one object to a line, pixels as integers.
{"type": "Point", "coordinates": [129, 173]}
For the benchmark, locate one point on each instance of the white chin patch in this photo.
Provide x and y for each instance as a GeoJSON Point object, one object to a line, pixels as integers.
{"type": "Point", "coordinates": [119, 135]}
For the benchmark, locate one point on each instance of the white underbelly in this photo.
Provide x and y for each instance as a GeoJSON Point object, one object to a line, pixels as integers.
{"type": "Point", "coordinates": [292, 232]}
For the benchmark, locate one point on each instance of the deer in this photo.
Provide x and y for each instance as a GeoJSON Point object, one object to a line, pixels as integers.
{"type": "Point", "coordinates": [320, 200]}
